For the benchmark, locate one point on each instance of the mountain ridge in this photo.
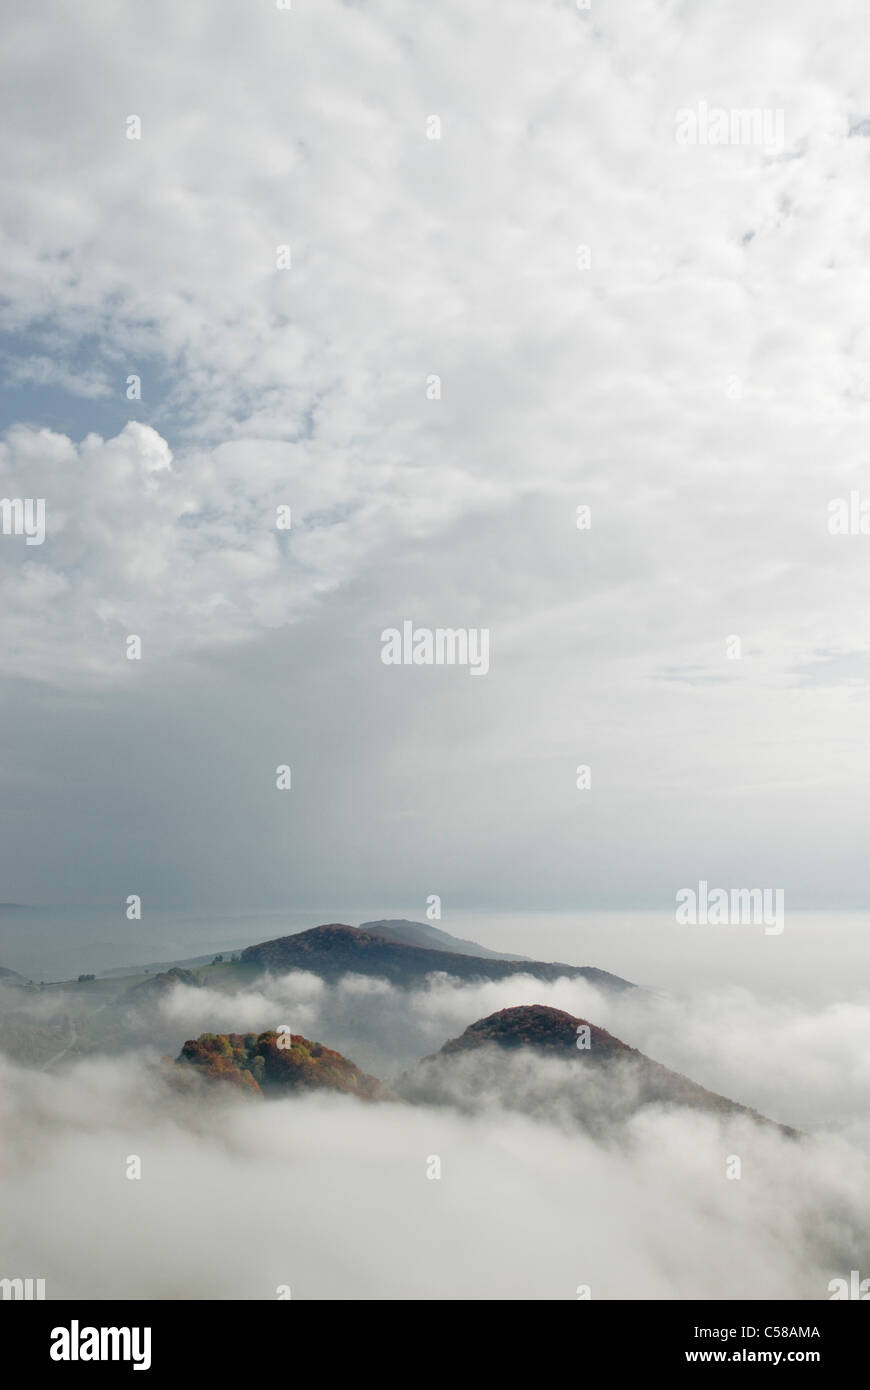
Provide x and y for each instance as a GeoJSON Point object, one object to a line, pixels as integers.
{"type": "Point", "coordinates": [335, 949]}
{"type": "Point", "coordinates": [410, 933]}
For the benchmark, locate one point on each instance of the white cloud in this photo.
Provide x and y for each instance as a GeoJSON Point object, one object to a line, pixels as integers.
{"type": "Point", "coordinates": [331, 1197]}
{"type": "Point", "coordinates": [609, 386]}
{"type": "Point", "coordinates": [804, 1065]}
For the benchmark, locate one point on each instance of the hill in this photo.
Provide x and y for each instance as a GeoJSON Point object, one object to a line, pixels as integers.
{"type": "Point", "coordinates": [547, 1030]}
{"type": "Point", "coordinates": [273, 1064]}
{"type": "Point", "coordinates": [545, 1061]}
{"type": "Point", "coordinates": [432, 938]}
{"type": "Point", "coordinates": [162, 983]}
{"type": "Point", "coordinates": [336, 949]}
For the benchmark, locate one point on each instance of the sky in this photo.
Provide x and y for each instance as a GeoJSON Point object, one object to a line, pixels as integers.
{"type": "Point", "coordinates": [671, 335]}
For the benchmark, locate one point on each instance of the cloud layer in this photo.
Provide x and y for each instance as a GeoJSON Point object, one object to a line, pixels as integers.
{"type": "Point", "coordinates": [331, 1197]}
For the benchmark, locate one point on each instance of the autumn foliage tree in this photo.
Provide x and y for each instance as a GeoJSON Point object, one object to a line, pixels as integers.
{"type": "Point", "coordinates": [272, 1063]}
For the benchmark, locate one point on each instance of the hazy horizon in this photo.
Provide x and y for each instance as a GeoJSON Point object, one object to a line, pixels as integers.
{"type": "Point", "coordinates": [820, 957]}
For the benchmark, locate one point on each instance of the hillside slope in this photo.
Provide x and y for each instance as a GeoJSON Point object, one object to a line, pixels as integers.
{"type": "Point", "coordinates": [544, 1061]}
{"type": "Point", "coordinates": [273, 1064]}
{"type": "Point", "coordinates": [336, 949]}
{"type": "Point", "coordinates": [432, 938]}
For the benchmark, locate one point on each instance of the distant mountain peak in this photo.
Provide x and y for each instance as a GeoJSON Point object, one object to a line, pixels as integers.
{"type": "Point", "coordinates": [335, 949]}
{"type": "Point", "coordinates": [424, 934]}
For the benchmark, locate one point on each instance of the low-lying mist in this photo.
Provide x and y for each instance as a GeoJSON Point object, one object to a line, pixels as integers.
{"type": "Point", "coordinates": [333, 1197]}
{"type": "Point", "coordinates": [802, 1066]}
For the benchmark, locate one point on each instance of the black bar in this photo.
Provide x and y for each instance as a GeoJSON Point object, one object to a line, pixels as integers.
{"type": "Point", "coordinates": [221, 1338]}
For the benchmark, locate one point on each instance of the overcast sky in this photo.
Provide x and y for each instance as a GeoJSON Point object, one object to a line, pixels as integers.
{"type": "Point", "coordinates": [699, 378]}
